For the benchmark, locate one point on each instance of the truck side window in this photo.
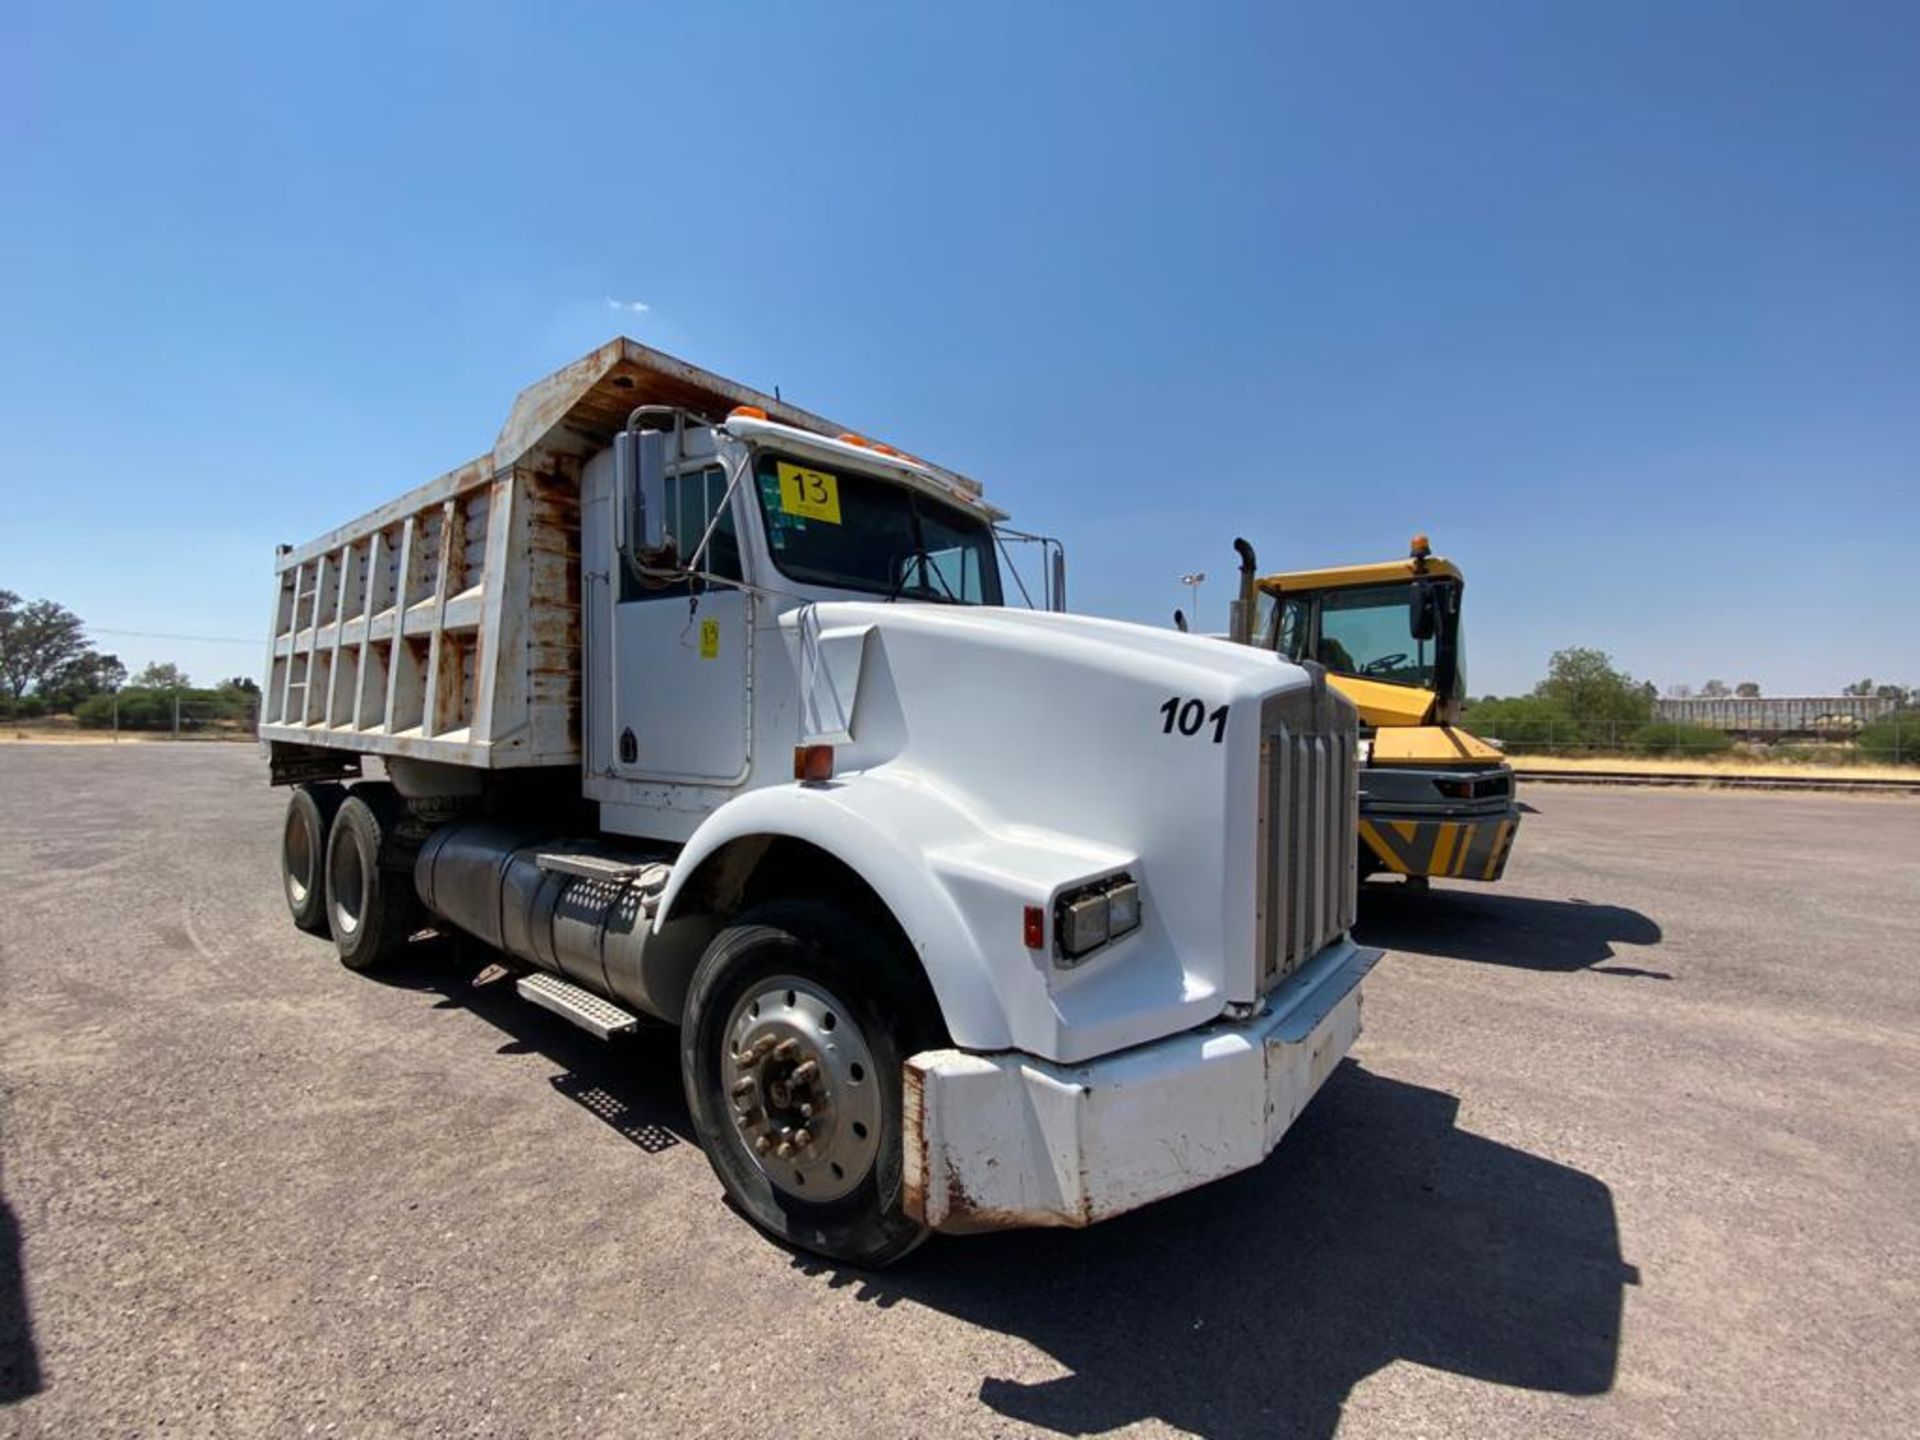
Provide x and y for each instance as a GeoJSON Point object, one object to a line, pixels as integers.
{"type": "Point", "coordinates": [1292, 640]}
{"type": "Point", "coordinates": [693, 498]}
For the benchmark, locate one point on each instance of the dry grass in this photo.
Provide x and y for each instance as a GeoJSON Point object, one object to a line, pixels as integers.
{"type": "Point", "coordinates": [63, 730]}
{"type": "Point", "coordinates": [1731, 766]}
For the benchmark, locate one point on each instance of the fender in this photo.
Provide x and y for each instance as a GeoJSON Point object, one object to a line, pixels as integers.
{"type": "Point", "coordinates": [953, 881]}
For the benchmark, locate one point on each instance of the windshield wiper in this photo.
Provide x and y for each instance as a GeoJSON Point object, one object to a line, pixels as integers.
{"type": "Point", "coordinates": [926, 563]}
{"type": "Point", "coordinates": [924, 590]}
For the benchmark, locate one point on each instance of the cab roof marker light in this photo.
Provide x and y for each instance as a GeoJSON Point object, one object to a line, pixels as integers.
{"type": "Point", "coordinates": [746, 412]}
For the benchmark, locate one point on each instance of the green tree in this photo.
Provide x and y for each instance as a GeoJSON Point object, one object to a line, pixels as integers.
{"type": "Point", "coordinates": [1680, 739]}
{"type": "Point", "coordinates": [162, 675]}
{"type": "Point", "coordinates": [91, 674]}
{"type": "Point", "coordinates": [1893, 739]}
{"type": "Point", "coordinates": [39, 640]}
{"type": "Point", "coordinates": [1604, 704]}
{"type": "Point", "coordinates": [1522, 723]}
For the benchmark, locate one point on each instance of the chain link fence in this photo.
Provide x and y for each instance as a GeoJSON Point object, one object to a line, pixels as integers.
{"type": "Point", "coordinates": [1891, 740]}
{"type": "Point", "coordinates": [176, 715]}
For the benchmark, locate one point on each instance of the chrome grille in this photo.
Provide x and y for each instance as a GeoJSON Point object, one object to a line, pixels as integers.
{"type": "Point", "coordinates": [1309, 820]}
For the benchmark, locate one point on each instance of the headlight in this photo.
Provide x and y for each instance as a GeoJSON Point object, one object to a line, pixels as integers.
{"type": "Point", "coordinates": [1088, 918]}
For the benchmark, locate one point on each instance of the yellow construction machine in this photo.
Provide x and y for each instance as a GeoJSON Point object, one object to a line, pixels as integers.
{"type": "Point", "coordinates": [1433, 799]}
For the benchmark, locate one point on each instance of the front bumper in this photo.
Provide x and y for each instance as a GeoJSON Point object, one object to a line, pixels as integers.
{"type": "Point", "coordinates": [1474, 848]}
{"type": "Point", "coordinates": [997, 1141]}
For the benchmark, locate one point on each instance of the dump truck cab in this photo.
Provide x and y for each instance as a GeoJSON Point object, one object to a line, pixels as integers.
{"type": "Point", "coordinates": [1434, 799]}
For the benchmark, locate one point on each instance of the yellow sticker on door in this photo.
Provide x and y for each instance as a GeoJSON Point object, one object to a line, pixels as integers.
{"type": "Point", "coordinates": [812, 493]}
{"type": "Point", "coordinates": [709, 639]}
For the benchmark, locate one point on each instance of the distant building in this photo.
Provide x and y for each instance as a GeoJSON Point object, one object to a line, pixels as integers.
{"type": "Point", "coordinates": [1776, 715]}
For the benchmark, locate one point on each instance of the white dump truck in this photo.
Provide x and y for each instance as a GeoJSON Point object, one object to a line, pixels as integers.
{"type": "Point", "coordinates": [696, 707]}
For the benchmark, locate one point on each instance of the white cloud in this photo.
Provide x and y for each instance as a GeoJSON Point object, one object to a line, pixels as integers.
{"type": "Point", "coordinates": [629, 307]}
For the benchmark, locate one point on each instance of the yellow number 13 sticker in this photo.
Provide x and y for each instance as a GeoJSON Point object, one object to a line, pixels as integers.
{"type": "Point", "coordinates": [812, 493]}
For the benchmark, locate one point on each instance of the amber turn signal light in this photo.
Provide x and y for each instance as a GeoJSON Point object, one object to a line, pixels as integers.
{"type": "Point", "coordinates": [812, 764]}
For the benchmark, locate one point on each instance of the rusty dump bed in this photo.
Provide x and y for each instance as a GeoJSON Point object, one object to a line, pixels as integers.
{"type": "Point", "coordinates": [445, 625]}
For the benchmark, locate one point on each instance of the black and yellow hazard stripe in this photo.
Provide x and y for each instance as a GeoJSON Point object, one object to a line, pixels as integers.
{"type": "Point", "coordinates": [1462, 849]}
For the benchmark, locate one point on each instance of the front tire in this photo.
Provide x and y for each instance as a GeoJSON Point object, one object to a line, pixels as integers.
{"type": "Point", "coordinates": [303, 852]}
{"type": "Point", "coordinates": [372, 909]}
{"type": "Point", "coordinates": [798, 1021]}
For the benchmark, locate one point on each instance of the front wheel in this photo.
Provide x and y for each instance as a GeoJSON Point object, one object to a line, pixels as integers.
{"type": "Point", "coordinates": [797, 1024]}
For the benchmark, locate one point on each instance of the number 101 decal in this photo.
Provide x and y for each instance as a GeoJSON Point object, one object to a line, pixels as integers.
{"type": "Point", "coordinates": [1190, 717]}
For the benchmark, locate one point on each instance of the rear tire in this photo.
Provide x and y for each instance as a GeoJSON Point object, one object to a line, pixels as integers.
{"type": "Point", "coordinates": [303, 852]}
{"type": "Point", "coordinates": [372, 909]}
{"type": "Point", "coordinates": [833, 987]}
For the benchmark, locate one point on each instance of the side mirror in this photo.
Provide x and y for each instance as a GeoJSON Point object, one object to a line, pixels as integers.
{"type": "Point", "coordinates": [1423, 611]}
{"type": "Point", "coordinates": [640, 492]}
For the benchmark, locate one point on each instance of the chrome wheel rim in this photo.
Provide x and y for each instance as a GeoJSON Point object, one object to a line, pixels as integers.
{"type": "Point", "coordinates": [800, 1086]}
{"type": "Point", "coordinates": [297, 857]}
{"type": "Point", "coordinates": [346, 885]}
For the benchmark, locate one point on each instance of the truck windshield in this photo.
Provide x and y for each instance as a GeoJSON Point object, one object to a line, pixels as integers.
{"type": "Point", "coordinates": [855, 532]}
{"type": "Point", "coordinates": [1363, 631]}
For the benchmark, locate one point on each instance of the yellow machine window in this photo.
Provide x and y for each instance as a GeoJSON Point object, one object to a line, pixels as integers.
{"type": "Point", "coordinates": [1365, 632]}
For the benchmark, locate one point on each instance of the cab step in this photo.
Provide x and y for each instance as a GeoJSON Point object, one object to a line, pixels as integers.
{"type": "Point", "coordinates": [584, 1008]}
{"type": "Point", "coordinates": [649, 875]}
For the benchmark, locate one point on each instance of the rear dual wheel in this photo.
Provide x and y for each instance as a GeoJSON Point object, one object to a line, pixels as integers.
{"type": "Point", "coordinates": [372, 908]}
{"type": "Point", "coordinates": [303, 852]}
{"type": "Point", "coordinates": [343, 874]}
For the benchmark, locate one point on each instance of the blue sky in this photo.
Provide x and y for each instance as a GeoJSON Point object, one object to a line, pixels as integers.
{"type": "Point", "coordinates": [1620, 302]}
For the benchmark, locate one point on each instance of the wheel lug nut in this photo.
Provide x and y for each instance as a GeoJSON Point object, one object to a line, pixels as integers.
{"type": "Point", "coordinates": [783, 1149]}
{"type": "Point", "coordinates": [761, 1144]}
{"type": "Point", "coordinates": [805, 1073]}
{"type": "Point", "coordinates": [744, 1086]}
{"type": "Point", "coordinates": [786, 1049]}
{"type": "Point", "coordinates": [806, 1110]}
{"type": "Point", "coordinates": [802, 1138]}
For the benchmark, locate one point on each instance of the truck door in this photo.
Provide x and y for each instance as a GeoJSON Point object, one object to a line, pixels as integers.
{"type": "Point", "coordinates": [682, 654]}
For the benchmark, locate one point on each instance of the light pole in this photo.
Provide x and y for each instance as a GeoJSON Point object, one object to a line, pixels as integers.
{"type": "Point", "coordinates": [1193, 583]}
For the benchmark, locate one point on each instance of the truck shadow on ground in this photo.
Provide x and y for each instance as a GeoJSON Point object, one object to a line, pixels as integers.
{"type": "Point", "coordinates": [1377, 1232]}
{"type": "Point", "coordinates": [632, 1085]}
{"type": "Point", "coordinates": [1501, 929]}
{"type": "Point", "coordinates": [19, 1359]}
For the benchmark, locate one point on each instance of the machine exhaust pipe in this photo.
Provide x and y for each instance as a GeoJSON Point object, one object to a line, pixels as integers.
{"type": "Point", "coordinates": [1240, 623]}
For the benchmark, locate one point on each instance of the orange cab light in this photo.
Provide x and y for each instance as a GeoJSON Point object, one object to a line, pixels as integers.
{"type": "Point", "coordinates": [813, 764]}
{"type": "Point", "coordinates": [883, 449]}
{"type": "Point", "coordinates": [1421, 549]}
{"type": "Point", "coordinates": [847, 437]}
{"type": "Point", "coordinates": [747, 412]}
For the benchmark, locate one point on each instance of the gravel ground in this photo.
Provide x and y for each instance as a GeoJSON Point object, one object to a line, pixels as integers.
{"type": "Point", "coordinates": [1629, 1148]}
